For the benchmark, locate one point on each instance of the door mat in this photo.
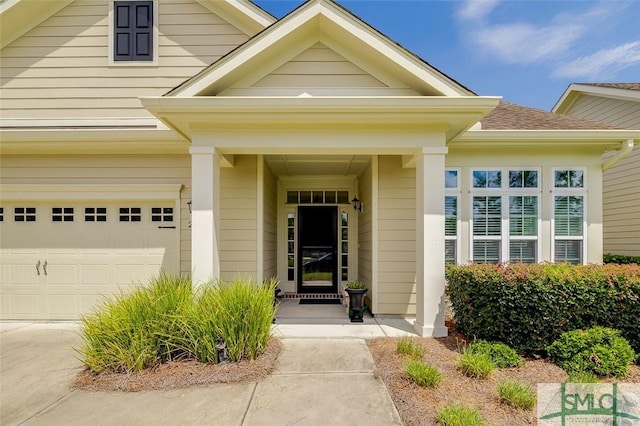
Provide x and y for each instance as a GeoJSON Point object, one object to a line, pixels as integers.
{"type": "Point", "coordinates": [320, 302]}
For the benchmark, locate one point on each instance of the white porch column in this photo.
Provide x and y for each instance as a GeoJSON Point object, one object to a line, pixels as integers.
{"type": "Point", "coordinates": [205, 228]}
{"type": "Point", "coordinates": [430, 261]}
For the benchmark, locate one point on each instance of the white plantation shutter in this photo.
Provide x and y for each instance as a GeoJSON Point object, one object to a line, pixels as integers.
{"type": "Point", "coordinates": [487, 228]}
{"type": "Point", "coordinates": [486, 251]}
{"type": "Point", "coordinates": [568, 228]}
{"type": "Point", "coordinates": [523, 228]}
{"type": "Point", "coordinates": [450, 228]}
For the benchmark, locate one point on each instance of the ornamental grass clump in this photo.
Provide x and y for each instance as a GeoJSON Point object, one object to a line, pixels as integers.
{"type": "Point", "coordinates": [516, 394]}
{"type": "Point", "coordinates": [458, 415]}
{"type": "Point", "coordinates": [406, 346]}
{"type": "Point", "coordinates": [166, 320]}
{"type": "Point", "coordinates": [136, 330]}
{"type": "Point", "coordinates": [422, 373]}
{"type": "Point", "coordinates": [476, 365]}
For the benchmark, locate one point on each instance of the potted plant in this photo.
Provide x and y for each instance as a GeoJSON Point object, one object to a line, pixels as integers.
{"type": "Point", "coordinates": [356, 291]}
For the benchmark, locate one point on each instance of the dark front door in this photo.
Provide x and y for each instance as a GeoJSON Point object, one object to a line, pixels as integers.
{"type": "Point", "coordinates": [318, 249]}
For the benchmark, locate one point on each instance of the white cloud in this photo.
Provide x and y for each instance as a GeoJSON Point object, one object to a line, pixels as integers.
{"type": "Point", "coordinates": [603, 64]}
{"type": "Point", "coordinates": [475, 10]}
{"type": "Point", "coordinates": [525, 43]}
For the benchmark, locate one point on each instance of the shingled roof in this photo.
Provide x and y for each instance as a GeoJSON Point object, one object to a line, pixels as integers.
{"type": "Point", "coordinates": [626, 86]}
{"type": "Point", "coordinates": [508, 116]}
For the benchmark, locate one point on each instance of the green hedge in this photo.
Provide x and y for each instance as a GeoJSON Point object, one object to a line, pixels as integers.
{"type": "Point", "coordinates": [530, 306]}
{"type": "Point", "coordinates": [621, 259]}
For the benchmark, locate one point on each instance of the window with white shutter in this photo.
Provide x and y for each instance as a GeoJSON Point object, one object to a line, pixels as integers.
{"type": "Point", "coordinates": [451, 216]}
{"type": "Point", "coordinates": [569, 215]}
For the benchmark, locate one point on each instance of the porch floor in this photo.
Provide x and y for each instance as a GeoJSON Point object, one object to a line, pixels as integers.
{"type": "Point", "coordinates": [331, 321]}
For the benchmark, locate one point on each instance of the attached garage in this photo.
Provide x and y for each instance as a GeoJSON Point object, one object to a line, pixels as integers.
{"type": "Point", "coordinates": [64, 247]}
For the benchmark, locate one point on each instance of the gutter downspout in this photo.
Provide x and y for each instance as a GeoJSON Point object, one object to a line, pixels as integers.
{"type": "Point", "coordinates": [624, 151]}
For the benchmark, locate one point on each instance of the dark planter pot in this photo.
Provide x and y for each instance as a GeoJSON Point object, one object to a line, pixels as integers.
{"type": "Point", "coordinates": [356, 303]}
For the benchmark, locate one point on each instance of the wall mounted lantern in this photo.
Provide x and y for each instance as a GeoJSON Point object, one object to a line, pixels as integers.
{"type": "Point", "coordinates": [357, 204]}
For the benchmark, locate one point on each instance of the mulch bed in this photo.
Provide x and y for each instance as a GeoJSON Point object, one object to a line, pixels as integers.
{"type": "Point", "coordinates": [182, 374]}
{"type": "Point", "coordinates": [417, 405]}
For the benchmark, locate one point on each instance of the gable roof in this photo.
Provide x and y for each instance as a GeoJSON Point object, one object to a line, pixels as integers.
{"type": "Point", "coordinates": [17, 17]}
{"type": "Point", "coordinates": [313, 21]}
{"type": "Point", "coordinates": [623, 91]}
{"type": "Point", "coordinates": [508, 116]}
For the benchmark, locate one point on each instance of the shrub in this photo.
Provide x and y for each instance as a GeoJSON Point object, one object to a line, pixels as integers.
{"type": "Point", "coordinates": [458, 415]}
{"type": "Point", "coordinates": [516, 394]}
{"type": "Point", "coordinates": [165, 320]}
{"type": "Point", "coordinates": [620, 259]}
{"type": "Point", "coordinates": [477, 365]}
{"type": "Point", "coordinates": [528, 306]}
{"type": "Point", "coordinates": [406, 346]}
{"type": "Point", "coordinates": [422, 374]}
{"type": "Point", "coordinates": [598, 350]}
{"type": "Point", "coordinates": [500, 354]}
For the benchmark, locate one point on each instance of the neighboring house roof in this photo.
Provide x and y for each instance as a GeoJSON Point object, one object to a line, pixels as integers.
{"type": "Point", "coordinates": [337, 23]}
{"type": "Point", "coordinates": [17, 17]}
{"type": "Point", "coordinates": [624, 91]}
{"type": "Point", "coordinates": [508, 116]}
{"type": "Point", "coordinates": [626, 86]}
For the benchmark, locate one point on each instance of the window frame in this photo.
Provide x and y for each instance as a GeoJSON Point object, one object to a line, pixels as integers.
{"type": "Point", "coordinates": [111, 38]}
{"type": "Point", "coordinates": [505, 192]}
{"type": "Point", "coordinates": [454, 192]}
{"type": "Point", "coordinates": [569, 192]}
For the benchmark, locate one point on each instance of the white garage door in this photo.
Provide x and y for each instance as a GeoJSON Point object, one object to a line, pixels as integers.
{"type": "Point", "coordinates": [58, 259]}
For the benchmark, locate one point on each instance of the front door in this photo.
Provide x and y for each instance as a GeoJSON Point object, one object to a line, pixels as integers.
{"type": "Point", "coordinates": [318, 249]}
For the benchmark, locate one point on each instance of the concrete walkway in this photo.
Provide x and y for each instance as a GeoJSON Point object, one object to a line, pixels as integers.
{"type": "Point", "coordinates": [319, 381]}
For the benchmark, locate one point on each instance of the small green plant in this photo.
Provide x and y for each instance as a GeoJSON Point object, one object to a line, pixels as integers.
{"type": "Point", "coordinates": [501, 354]}
{"type": "Point", "coordinates": [406, 346]}
{"type": "Point", "coordinates": [422, 374]}
{"type": "Point", "coordinates": [516, 394]}
{"type": "Point", "coordinates": [458, 415]}
{"type": "Point", "coordinates": [355, 284]}
{"type": "Point", "coordinates": [476, 365]}
{"type": "Point", "coordinates": [582, 377]}
{"type": "Point", "coordinates": [598, 350]}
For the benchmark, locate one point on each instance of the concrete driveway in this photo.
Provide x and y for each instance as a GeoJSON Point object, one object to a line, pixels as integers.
{"type": "Point", "coordinates": [316, 383]}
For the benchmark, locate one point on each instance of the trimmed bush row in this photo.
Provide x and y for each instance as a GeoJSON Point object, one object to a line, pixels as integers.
{"type": "Point", "coordinates": [167, 320]}
{"type": "Point", "coordinates": [620, 258]}
{"type": "Point", "coordinates": [528, 306]}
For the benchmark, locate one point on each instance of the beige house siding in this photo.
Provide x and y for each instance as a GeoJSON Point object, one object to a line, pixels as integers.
{"type": "Point", "coordinates": [318, 70]}
{"type": "Point", "coordinates": [397, 237]}
{"type": "Point", "coordinates": [270, 234]}
{"type": "Point", "coordinates": [238, 219]}
{"type": "Point", "coordinates": [622, 206]}
{"type": "Point", "coordinates": [60, 69]}
{"type": "Point", "coordinates": [621, 183]}
{"type": "Point", "coordinates": [621, 113]}
{"type": "Point", "coordinates": [365, 229]}
{"type": "Point", "coordinates": [108, 169]}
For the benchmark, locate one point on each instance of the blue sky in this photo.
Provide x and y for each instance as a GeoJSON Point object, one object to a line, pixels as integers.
{"type": "Point", "coordinates": [524, 50]}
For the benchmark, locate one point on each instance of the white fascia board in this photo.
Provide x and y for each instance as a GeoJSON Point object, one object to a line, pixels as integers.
{"type": "Point", "coordinates": [19, 16]}
{"type": "Point", "coordinates": [244, 15]}
{"type": "Point", "coordinates": [521, 137]}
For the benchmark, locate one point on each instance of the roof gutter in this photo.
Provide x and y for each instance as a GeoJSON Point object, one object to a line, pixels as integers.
{"type": "Point", "coordinates": [624, 151]}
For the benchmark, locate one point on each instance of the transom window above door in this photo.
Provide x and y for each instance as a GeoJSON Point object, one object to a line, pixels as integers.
{"type": "Point", "coordinates": [318, 197]}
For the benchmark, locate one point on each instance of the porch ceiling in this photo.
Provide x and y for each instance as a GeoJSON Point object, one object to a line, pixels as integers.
{"type": "Point", "coordinates": [305, 165]}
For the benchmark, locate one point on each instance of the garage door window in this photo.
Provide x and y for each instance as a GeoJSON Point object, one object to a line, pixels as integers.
{"type": "Point", "coordinates": [95, 214]}
{"type": "Point", "coordinates": [162, 214]}
{"type": "Point", "coordinates": [130, 214]}
{"type": "Point", "coordinates": [24, 214]}
{"type": "Point", "coordinates": [62, 214]}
